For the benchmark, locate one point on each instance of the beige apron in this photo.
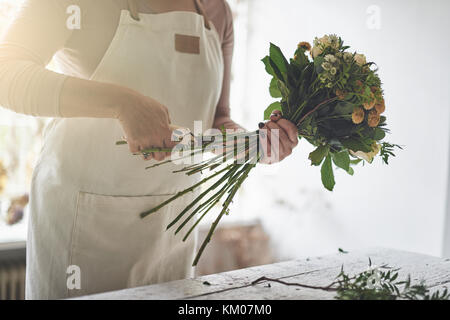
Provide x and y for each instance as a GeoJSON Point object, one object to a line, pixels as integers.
{"type": "Point", "coordinates": [87, 192]}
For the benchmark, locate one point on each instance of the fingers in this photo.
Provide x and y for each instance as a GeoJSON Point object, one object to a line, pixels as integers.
{"type": "Point", "coordinates": [275, 116]}
{"type": "Point", "coordinates": [282, 130]}
{"type": "Point", "coordinates": [290, 129]}
{"type": "Point", "coordinates": [159, 156]}
{"type": "Point", "coordinates": [284, 144]}
{"type": "Point", "coordinates": [134, 147]}
{"type": "Point", "coordinates": [265, 143]}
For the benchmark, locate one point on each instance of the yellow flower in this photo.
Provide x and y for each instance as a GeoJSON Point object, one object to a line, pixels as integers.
{"type": "Point", "coordinates": [304, 45]}
{"type": "Point", "coordinates": [373, 118]}
{"type": "Point", "coordinates": [358, 115]}
{"type": "Point", "coordinates": [368, 156]}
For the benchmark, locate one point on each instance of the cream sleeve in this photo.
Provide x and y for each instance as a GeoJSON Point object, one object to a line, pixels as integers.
{"type": "Point", "coordinates": [28, 44]}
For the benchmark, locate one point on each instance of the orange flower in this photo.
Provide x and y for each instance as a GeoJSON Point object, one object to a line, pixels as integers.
{"type": "Point", "coordinates": [373, 119]}
{"type": "Point", "coordinates": [358, 115]}
{"type": "Point", "coordinates": [360, 87]}
{"type": "Point", "coordinates": [374, 89]}
{"type": "Point", "coordinates": [370, 104]}
{"type": "Point", "coordinates": [340, 94]}
{"type": "Point", "coordinates": [380, 106]}
{"type": "Point", "coordinates": [304, 45]}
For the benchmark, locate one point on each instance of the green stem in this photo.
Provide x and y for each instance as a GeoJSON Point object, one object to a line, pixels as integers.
{"type": "Point", "coordinates": [181, 193]}
{"type": "Point", "coordinates": [232, 178]}
{"type": "Point", "coordinates": [223, 211]}
{"type": "Point", "coordinates": [203, 194]}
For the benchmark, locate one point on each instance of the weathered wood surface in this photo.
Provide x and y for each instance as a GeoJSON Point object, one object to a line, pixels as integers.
{"type": "Point", "coordinates": [317, 271]}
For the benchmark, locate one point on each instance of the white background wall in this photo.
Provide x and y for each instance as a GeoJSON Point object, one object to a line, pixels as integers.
{"type": "Point", "coordinates": [398, 206]}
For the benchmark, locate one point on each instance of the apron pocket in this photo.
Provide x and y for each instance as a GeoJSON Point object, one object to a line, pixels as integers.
{"type": "Point", "coordinates": [115, 249]}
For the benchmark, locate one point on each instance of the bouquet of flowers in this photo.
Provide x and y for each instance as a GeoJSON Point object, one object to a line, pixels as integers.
{"type": "Point", "coordinates": [335, 99]}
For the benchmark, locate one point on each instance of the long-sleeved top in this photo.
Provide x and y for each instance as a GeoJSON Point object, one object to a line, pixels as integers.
{"type": "Point", "coordinates": [39, 33]}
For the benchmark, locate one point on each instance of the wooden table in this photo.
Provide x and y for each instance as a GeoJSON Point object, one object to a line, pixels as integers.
{"type": "Point", "coordinates": [317, 271]}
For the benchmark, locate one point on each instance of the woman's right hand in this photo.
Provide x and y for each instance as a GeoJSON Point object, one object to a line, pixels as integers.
{"type": "Point", "coordinates": [146, 124]}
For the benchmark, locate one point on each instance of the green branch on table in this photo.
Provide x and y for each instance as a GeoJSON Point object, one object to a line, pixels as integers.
{"type": "Point", "coordinates": [373, 284]}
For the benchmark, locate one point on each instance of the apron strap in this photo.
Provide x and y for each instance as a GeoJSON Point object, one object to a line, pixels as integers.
{"type": "Point", "coordinates": [202, 12]}
{"type": "Point", "coordinates": [134, 12]}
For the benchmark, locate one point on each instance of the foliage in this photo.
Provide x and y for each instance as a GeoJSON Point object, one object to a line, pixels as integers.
{"type": "Point", "coordinates": [335, 99]}
{"type": "Point", "coordinates": [383, 284]}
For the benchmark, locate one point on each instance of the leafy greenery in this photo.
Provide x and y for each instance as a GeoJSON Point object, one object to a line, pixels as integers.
{"type": "Point", "coordinates": [387, 150]}
{"type": "Point", "coordinates": [376, 283]}
{"type": "Point", "coordinates": [383, 284]}
{"type": "Point", "coordinates": [318, 155]}
{"type": "Point", "coordinates": [327, 173]}
{"type": "Point", "coordinates": [335, 99]}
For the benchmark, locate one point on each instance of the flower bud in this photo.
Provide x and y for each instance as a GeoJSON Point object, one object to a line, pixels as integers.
{"type": "Point", "coordinates": [358, 115]}
{"type": "Point", "coordinates": [373, 118]}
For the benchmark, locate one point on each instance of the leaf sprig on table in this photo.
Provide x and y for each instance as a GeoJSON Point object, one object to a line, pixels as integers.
{"type": "Point", "coordinates": [383, 284]}
{"type": "Point", "coordinates": [373, 284]}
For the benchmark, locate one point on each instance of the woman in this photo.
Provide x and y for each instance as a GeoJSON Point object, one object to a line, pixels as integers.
{"type": "Point", "coordinates": [129, 68]}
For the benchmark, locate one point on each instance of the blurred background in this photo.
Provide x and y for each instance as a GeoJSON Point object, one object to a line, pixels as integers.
{"type": "Point", "coordinates": [283, 212]}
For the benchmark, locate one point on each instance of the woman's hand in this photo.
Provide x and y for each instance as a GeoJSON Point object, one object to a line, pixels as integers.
{"type": "Point", "coordinates": [286, 134]}
{"type": "Point", "coordinates": [146, 124]}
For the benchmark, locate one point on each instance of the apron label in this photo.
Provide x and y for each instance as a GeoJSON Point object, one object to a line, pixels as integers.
{"type": "Point", "coordinates": [187, 44]}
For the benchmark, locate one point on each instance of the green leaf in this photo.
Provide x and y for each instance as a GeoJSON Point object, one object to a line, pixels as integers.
{"type": "Point", "coordinates": [278, 58]}
{"type": "Point", "coordinates": [344, 107]}
{"type": "Point", "coordinates": [317, 155]}
{"type": "Point", "coordinates": [355, 161]}
{"type": "Point", "coordinates": [327, 174]}
{"type": "Point", "coordinates": [266, 62]}
{"type": "Point", "coordinates": [273, 89]}
{"type": "Point", "coordinates": [277, 72]}
{"type": "Point", "coordinates": [379, 134]}
{"type": "Point", "coordinates": [356, 145]}
{"type": "Point", "coordinates": [350, 171]}
{"type": "Point", "coordinates": [318, 64]}
{"type": "Point", "coordinates": [302, 59]}
{"type": "Point", "coordinates": [342, 160]}
{"type": "Point", "coordinates": [274, 106]}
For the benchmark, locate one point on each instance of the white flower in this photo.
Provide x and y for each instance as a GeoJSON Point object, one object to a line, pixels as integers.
{"type": "Point", "coordinates": [334, 41]}
{"type": "Point", "coordinates": [360, 59]}
{"type": "Point", "coordinates": [333, 71]}
{"type": "Point", "coordinates": [348, 57]}
{"type": "Point", "coordinates": [316, 51]}
{"type": "Point", "coordinates": [368, 156]}
{"type": "Point", "coordinates": [325, 41]}
{"type": "Point", "coordinates": [326, 66]}
{"type": "Point", "coordinates": [330, 58]}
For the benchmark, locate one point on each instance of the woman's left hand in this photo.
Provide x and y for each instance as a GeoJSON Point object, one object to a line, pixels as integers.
{"type": "Point", "coordinates": [281, 129]}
